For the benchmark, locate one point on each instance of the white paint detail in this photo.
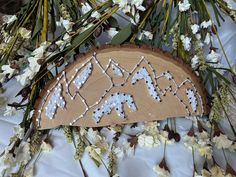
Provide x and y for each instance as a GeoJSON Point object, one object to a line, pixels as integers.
{"type": "Point", "coordinates": [115, 101]}
{"type": "Point", "coordinates": [83, 76]}
{"type": "Point", "coordinates": [143, 74]}
{"type": "Point", "coordinates": [192, 99]}
{"type": "Point", "coordinates": [116, 70]}
{"type": "Point", "coordinates": [55, 101]}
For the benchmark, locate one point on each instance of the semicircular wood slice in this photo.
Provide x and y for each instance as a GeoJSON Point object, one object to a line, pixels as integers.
{"type": "Point", "coordinates": [118, 85]}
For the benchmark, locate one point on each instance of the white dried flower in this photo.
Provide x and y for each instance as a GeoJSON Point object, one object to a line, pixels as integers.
{"type": "Point", "coordinates": [207, 39]}
{"type": "Point", "coordinates": [66, 24]}
{"type": "Point", "coordinates": [8, 19]}
{"type": "Point", "coordinates": [189, 141]}
{"type": "Point", "coordinates": [195, 62]}
{"type": "Point", "coordinates": [163, 137]}
{"type": "Point", "coordinates": [184, 5]}
{"type": "Point", "coordinates": [25, 34]}
{"type": "Point", "coordinates": [122, 3]}
{"type": "Point", "coordinates": [29, 171]}
{"type": "Point", "coordinates": [8, 70]}
{"type": "Point", "coordinates": [23, 153]}
{"type": "Point", "coordinates": [112, 32]}
{"type": "Point", "coordinates": [10, 111]}
{"type": "Point", "coordinates": [206, 24]}
{"type": "Point", "coordinates": [96, 15]}
{"type": "Point", "coordinates": [222, 141]}
{"type": "Point", "coordinates": [85, 8]}
{"type": "Point", "coordinates": [138, 4]}
{"type": "Point", "coordinates": [213, 57]}
{"type": "Point", "coordinates": [148, 141]}
{"type": "Point", "coordinates": [24, 79]}
{"type": "Point", "coordinates": [195, 28]}
{"type": "Point", "coordinates": [186, 41]}
{"type": "Point", "coordinates": [19, 132]}
{"type": "Point", "coordinates": [161, 172]}
{"type": "Point", "coordinates": [145, 34]}
{"type": "Point", "coordinates": [45, 147]}
{"type": "Point", "coordinates": [125, 150]}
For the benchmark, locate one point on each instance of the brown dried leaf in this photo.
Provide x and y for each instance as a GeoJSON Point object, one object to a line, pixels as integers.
{"type": "Point", "coordinates": [133, 140]}
{"type": "Point", "coordinates": [164, 165]}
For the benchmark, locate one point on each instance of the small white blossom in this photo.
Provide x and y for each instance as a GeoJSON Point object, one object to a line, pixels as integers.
{"type": "Point", "coordinates": [122, 3]}
{"type": "Point", "coordinates": [184, 5]}
{"type": "Point", "coordinates": [112, 32]}
{"type": "Point", "coordinates": [29, 171]}
{"type": "Point", "coordinates": [26, 34]}
{"type": "Point", "coordinates": [161, 172]}
{"type": "Point", "coordinates": [46, 147]}
{"type": "Point", "coordinates": [206, 24]}
{"type": "Point", "coordinates": [222, 141]}
{"type": "Point", "coordinates": [8, 70]}
{"type": "Point", "coordinates": [96, 15]}
{"type": "Point", "coordinates": [23, 153]}
{"type": "Point", "coordinates": [124, 150]}
{"type": "Point", "coordinates": [163, 137]}
{"type": "Point", "coordinates": [85, 8]}
{"type": "Point", "coordinates": [66, 24]}
{"type": "Point", "coordinates": [8, 19]}
{"type": "Point", "coordinates": [19, 132]}
{"type": "Point", "coordinates": [24, 79]}
{"type": "Point", "coordinates": [189, 141]}
{"type": "Point", "coordinates": [207, 39]}
{"type": "Point", "coordinates": [195, 28]}
{"type": "Point", "coordinates": [138, 4]}
{"type": "Point", "coordinates": [10, 111]}
{"type": "Point", "coordinates": [94, 153]}
{"type": "Point", "coordinates": [148, 141]}
{"type": "Point", "coordinates": [145, 34]}
{"type": "Point", "coordinates": [39, 52]}
{"type": "Point", "coordinates": [186, 41]}
{"type": "Point", "coordinates": [195, 62]}
{"type": "Point", "coordinates": [213, 57]}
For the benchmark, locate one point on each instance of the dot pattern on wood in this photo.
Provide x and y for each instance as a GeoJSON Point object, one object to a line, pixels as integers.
{"type": "Point", "coordinates": [119, 102]}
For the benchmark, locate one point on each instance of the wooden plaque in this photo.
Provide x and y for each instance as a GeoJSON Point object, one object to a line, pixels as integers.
{"type": "Point", "coordinates": [119, 85]}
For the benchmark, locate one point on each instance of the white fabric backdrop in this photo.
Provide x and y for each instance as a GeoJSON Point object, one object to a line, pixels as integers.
{"type": "Point", "coordinates": [60, 161]}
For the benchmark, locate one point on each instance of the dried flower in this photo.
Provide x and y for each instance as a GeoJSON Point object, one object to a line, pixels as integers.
{"type": "Point", "coordinates": [222, 141]}
{"type": "Point", "coordinates": [25, 34]}
{"type": "Point", "coordinates": [138, 4]}
{"type": "Point", "coordinates": [161, 172]}
{"type": "Point", "coordinates": [195, 62]}
{"type": "Point", "coordinates": [213, 57]}
{"type": "Point", "coordinates": [184, 5]}
{"type": "Point", "coordinates": [8, 70]}
{"type": "Point", "coordinates": [112, 32]}
{"type": "Point", "coordinates": [195, 28]}
{"type": "Point", "coordinates": [206, 24]}
{"type": "Point", "coordinates": [124, 150]}
{"type": "Point", "coordinates": [186, 41]}
{"type": "Point", "coordinates": [46, 147]}
{"type": "Point", "coordinates": [85, 8]}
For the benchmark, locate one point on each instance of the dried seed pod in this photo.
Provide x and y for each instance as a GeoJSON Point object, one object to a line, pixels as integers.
{"type": "Point", "coordinates": [25, 91]}
{"type": "Point", "coordinates": [53, 47]}
{"type": "Point", "coordinates": [171, 134]}
{"type": "Point", "coordinates": [177, 137]}
{"type": "Point", "coordinates": [98, 32]}
{"type": "Point", "coordinates": [40, 61]}
{"type": "Point", "coordinates": [149, 3]}
{"type": "Point", "coordinates": [60, 62]}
